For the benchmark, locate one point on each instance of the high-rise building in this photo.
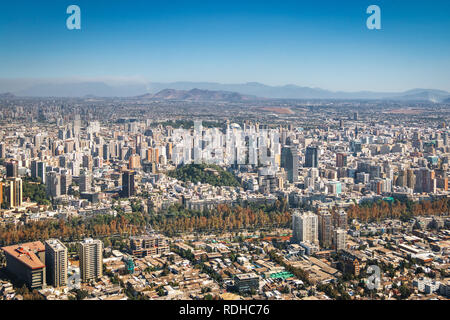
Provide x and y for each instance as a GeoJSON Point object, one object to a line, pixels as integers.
{"type": "Point", "coordinates": [305, 227]}
{"type": "Point", "coordinates": [339, 239]}
{"type": "Point", "coordinates": [1, 193]}
{"type": "Point", "coordinates": [134, 162]}
{"type": "Point", "coordinates": [13, 192]}
{"type": "Point", "coordinates": [66, 181]}
{"type": "Point", "coordinates": [56, 262]}
{"type": "Point", "coordinates": [341, 220]}
{"type": "Point", "coordinates": [325, 228]}
{"type": "Point", "coordinates": [341, 160]}
{"type": "Point", "coordinates": [425, 181]}
{"type": "Point", "coordinates": [311, 157]}
{"type": "Point", "coordinates": [53, 184]}
{"type": "Point", "coordinates": [90, 252]}
{"type": "Point", "coordinates": [289, 161]}
{"type": "Point", "coordinates": [128, 183]}
{"type": "Point", "coordinates": [2, 151]}
{"type": "Point", "coordinates": [12, 168]}
{"type": "Point", "coordinates": [87, 162]}
{"type": "Point", "coordinates": [85, 182]}
{"type": "Point", "coordinates": [41, 171]}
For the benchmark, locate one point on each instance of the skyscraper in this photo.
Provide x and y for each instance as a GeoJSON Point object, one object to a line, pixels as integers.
{"type": "Point", "coordinates": [90, 252]}
{"type": "Point", "coordinates": [85, 182]}
{"type": "Point", "coordinates": [14, 192]}
{"type": "Point", "coordinates": [12, 168]}
{"type": "Point", "coordinates": [2, 151]}
{"type": "Point", "coordinates": [56, 262]}
{"type": "Point", "coordinates": [311, 157]}
{"type": "Point", "coordinates": [341, 160]}
{"type": "Point", "coordinates": [127, 183]}
{"type": "Point", "coordinates": [341, 220]}
{"type": "Point", "coordinates": [325, 228]}
{"type": "Point", "coordinates": [53, 184]}
{"type": "Point", "coordinates": [339, 239]}
{"type": "Point", "coordinates": [305, 227]}
{"type": "Point", "coordinates": [289, 161]}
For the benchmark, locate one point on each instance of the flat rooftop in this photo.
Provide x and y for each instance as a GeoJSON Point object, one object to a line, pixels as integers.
{"type": "Point", "coordinates": [26, 253]}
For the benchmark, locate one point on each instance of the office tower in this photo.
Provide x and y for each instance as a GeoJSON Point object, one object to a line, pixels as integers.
{"type": "Point", "coordinates": [85, 182]}
{"type": "Point", "coordinates": [66, 181]}
{"type": "Point", "coordinates": [2, 151]}
{"type": "Point", "coordinates": [355, 116]}
{"type": "Point", "coordinates": [62, 161]}
{"type": "Point", "coordinates": [341, 160]}
{"type": "Point", "coordinates": [127, 184]}
{"type": "Point", "coordinates": [41, 171]}
{"type": "Point", "coordinates": [76, 125]}
{"type": "Point", "coordinates": [134, 162]}
{"type": "Point", "coordinates": [311, 157]}
{"type": "Point", "coordinates": [53, 184]}
{"type": "Point", "coordinates": [1, 193]}
{"type": "Point", "coordinates": [14, 192]}
{"type": "Point", "coordinates": [410, 178]}
{"type": "Point", "coordinates": [289, 161]}
{"type": "Point", "coordinates": [56, 263]}
{"type": "Point", "coordinates": [26, 262]}
{"type": "Point", "coordinates": [106, 152]}
{"type": "Point", "coordinates": [90, 252]}
{"type": "Point", "coordinates": [34, 169]}
{"type": "Point", "coordinates": [425, 181]}
{"type": "Point", "coordinates": [401, 180]}
{"type": "Point", "coordinates": [304, 227]}
{"type": "Point", "coordinates": [325, 228]}
{"type": "Point", "coordinates": [12, 168]}
{"type": "Point", "coordinates": [87, 162]}
{"type": "Point", "coordinates": [340, 220]}
{"type": "Point", "coordinates": [339, 239]}
{"type": "Point", "coordinates": [98, 162]}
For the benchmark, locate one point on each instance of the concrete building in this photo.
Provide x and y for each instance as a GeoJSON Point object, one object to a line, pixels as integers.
{"type": "Point", "coordinates": [325, 228]}
{"type": "Point", "coordinates": [90, 252]}
{"type": "Point", "coordinates": [56, 262]}
{"type": "Point", "coordinates": [27, 263]}
{"type": "Point", "coordinates": [305, 227]}
{"type": "Point", "coordinates": [339, 239]}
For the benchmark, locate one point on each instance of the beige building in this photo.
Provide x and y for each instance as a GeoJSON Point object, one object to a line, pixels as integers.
{"type": "Point", "coordinates": [90, 252]}
{"type": "Point", "coordinates": [305, 227]}
{"type": "Point", "coordinates": [339, 239]}
{"type": "Point", "coordinates": [56, 262]}
{"type": "Point", "coordinates": [27, 262]}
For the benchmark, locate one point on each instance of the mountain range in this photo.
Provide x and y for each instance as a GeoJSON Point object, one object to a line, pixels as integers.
{"type": "Point", "coordinates": [196, 91]}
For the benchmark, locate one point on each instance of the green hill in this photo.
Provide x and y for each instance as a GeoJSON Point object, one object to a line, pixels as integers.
{"type": "Point", "coordinates": [204, 173]}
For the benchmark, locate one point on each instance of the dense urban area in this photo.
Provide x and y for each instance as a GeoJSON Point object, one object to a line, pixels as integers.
{"type": "Point", "coordinates": [150, 198]}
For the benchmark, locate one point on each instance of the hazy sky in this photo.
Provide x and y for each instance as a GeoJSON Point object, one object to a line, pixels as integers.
{"type": "Point", "coordinates": [309, 43]}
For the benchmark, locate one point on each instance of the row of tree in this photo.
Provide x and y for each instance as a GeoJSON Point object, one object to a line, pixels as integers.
{"type": "Point", "coordinates": [71, 230]}
{"type": "Point", "coordinates": [398, 210]}
{"type": "Point", "coordinates": [224, 218]}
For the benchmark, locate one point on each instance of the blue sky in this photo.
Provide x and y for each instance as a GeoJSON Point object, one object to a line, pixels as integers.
{"type": "Point", "coordinates": [309, 43]}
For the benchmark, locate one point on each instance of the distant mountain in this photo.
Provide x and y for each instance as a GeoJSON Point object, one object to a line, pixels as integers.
{"type": "Point", "coordinates": [296, 92]}
{"type": "Point", "coordinates": [423, 95]}
{"type": "Point", "coordinates": [197, 95]}
{"type": "Point", "coordinates": [228, 92]}
{"type": "Point", "coordinates": [82, 89]}
{"type": "Point", "coordinates": [7, 95]}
